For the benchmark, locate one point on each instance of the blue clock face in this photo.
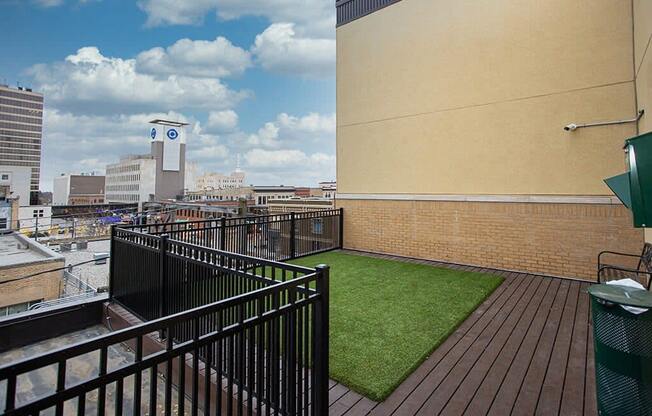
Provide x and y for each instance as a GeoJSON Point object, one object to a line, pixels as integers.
{"type": "Point", "coordinates": [152, 133]}
{"type": "Point", "coordinates": [172, 134]}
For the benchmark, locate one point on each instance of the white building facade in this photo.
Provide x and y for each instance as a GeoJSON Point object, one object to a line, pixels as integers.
{"type": "Point", "coordinates": [212, 180]}
{"type": "Point", "coordinates": [15, 182]}
{"type": "Point", "coordinates": [132, 180]}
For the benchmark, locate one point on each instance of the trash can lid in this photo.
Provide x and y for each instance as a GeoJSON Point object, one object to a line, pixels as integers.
{"type": "Point", "coordinates": [622, 295]}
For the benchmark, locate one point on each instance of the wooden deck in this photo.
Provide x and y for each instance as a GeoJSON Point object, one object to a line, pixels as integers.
{"type": "Point", "coordinates": [527, 350]}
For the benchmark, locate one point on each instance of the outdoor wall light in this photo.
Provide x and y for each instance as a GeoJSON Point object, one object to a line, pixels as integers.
{"type": "Point", "coordinates": [573, 126]}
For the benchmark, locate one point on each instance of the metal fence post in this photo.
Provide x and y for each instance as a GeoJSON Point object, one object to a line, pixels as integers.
{"type": "Point", "coordinates": [293, 245]}
{"type": "Point", "coordinates": [222, 245]}
{"type": "Point", "coordinates": [321, 341]}
{"type": "Point", "coordinates": [112, 257]}
{"type": "Point", "coordinates": [341, 230]}
{"type": "Point", "coordinates": [163, 276]}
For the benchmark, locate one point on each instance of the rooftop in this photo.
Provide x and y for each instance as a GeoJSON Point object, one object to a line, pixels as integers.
{"type": "Point", "coordinates": [16, 250]}
{"type": "Point", "coordinates": [95, 275]}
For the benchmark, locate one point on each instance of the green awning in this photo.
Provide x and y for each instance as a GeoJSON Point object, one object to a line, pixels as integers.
{"type": "Point", "coordinates": [620, 186]}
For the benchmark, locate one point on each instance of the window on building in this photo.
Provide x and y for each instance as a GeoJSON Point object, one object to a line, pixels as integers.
{"type": "Point", "coordinates": [3, 223]}
{"type": "Point", "coordinates": [5, 177]}
{"type": "Point", "coordinates": [318, 226]}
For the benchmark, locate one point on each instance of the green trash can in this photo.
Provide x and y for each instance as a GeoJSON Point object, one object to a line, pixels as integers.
{"type": "Point", "coordinates": [623, 350]}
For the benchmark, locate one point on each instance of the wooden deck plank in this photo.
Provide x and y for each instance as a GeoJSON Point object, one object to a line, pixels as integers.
{"type": "Point", "coordinates": [497, 311]}
{"type": "Point", "coordinates": [412, 382]}
{"type": "Point", "coordinates": [527, 398]}
{"type": "Point", "coordinates": [361, 408]}
{"type": "Point", "coordinates": [480, 355]}
{"type": "Point", "coordinates": [344, 403]}
{"type": "Point", "coordinates": [553, 385]}
{"type": "Point", "coordinates": [336, 392]}
{"type": "Point", "coordinates": [494, 363]}
{"type": "Point", "coordinates": [572, 402]}
{"type": "Point", "coordinates": [590, 399]}
{"type": "Point", "coordinates": [515, 357]}
{"type": "Point", "coordinates": [527, 348]}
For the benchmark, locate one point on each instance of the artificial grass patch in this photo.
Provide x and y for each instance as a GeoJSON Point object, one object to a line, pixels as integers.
{"type": "Point", "coordinates": [387, 316]}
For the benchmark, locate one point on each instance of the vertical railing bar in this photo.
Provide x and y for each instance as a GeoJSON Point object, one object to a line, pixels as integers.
{"type": "Point", "coordinates": [119, 391]}
{"type": "Point", "coordinates": [152, 390]}
{"type": "Point", "coordinates": [101, 399]}
{"type": "Point", "coordinates": [181, 393]}
{"type": "Point", "coordinates": [61, 385]}
{"type": "Point", "coordinates": [138, 376]}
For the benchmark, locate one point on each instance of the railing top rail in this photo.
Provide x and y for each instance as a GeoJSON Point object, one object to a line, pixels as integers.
{"type": "Point", "coordinates": [257, 260]}
{"type": "Point", "coordinates": [84, 347]}
{"type": "Point", "coordinates": [274, 217]}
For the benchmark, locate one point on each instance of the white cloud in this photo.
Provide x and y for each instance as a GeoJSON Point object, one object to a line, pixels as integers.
{"type": "Point", "coordinates": [195, 58]}
{"type": "Point", "coordinates": [316, 17]}
{"type": "Point", "coordinates": [90, 82]}
{"type": "Point", "coordinates": [288, 166]}
{"type": "Point", "coordinates": [287, 129]}
{"type": "Point", "coordinates": [222, 121]}
{"type": "Point", "coordinates": [279, 49]}
{"type": "Point", "coordinates": [84, 143]}
{"type": "Point", "coordinates": [48, 3]}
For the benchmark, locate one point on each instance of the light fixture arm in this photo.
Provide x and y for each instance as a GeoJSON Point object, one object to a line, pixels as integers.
{"type": "Point", "coordinates": [573, 126]}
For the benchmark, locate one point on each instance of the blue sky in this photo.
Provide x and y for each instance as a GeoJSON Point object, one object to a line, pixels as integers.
{"type": "Point", "coordinates": [254, 78]}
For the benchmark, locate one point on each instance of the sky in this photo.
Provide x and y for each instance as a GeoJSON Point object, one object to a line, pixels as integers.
{"type": "Point", "coordinates": [253, 78]}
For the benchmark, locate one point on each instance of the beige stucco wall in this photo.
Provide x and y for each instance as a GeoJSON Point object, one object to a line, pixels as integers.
{"type": "Point", "coordinates": [643, 62]}
{"type": "Point", "coordinates": [468, 97]}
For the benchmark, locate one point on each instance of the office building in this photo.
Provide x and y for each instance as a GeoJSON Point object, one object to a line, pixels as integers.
{"type": "Point", "coordinates": [131, 180]}
{"type": "Point", "coordinates": [464, 104]}
{"type": "Point", "coordinates": [84, 189]}
{"type": "Point", "coordinates": [157, 176]}
{"type": "Point", "coordinates": [21, 128]}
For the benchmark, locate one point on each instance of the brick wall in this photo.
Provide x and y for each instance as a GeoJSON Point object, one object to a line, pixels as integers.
{"type": "Point", "coordinates": [44, 286]}
{"type": "Point", "coordinates": [547, 238]}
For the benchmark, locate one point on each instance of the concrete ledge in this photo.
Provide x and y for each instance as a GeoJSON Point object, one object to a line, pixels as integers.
{"type": "Point", "coordinates": [33, 326]}
{"type": "Point", "coordinates": [533, 199]}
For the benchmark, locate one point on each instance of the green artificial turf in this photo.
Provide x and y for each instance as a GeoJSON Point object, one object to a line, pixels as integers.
{"type": "Point", "coordinates": [387, 316]}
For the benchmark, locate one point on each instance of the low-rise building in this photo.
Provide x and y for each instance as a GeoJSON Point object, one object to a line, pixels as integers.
{"type": "Point", "coordinates": [84, 189]}
{"type": "Point", "coordinates": [280, 206]}
{"type": "Point", "coordinates": [35, 219]}
{"type": "Point", "coordinates": [15, 182]}
{"type": "Point", "coordinates": [328, 189]}
{"type": "Point", "coordinates": [227, 194]}
{"type": "Point", "coordinates": [263, 194]}
{"type": "Point", "coordinates": [9, 212]}
{"type": "Point", "coordinates": [29, 273]}
{"type": "Point", "coordinates": [211, 180]}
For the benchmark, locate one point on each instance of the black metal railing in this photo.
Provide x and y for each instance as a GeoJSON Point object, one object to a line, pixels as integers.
{"type": "Point", "coordinates": [277, 237]}
{"type": "Point", "coordinates": [257, 344]}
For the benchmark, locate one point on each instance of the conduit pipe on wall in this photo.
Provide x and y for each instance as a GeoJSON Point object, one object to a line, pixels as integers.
{"type": "Point", "coordinates": [573, 126]}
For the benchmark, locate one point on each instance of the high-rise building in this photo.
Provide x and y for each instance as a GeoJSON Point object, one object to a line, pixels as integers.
{"type": "Point", "coordinates": [21, 123]}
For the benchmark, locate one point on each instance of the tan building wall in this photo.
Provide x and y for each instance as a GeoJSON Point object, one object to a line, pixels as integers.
{"type": "Point", "coordinates": [467, 98]}
{"type": "Point", "coordinates": [643, 65]}
{"type": "Point", "coordinates": [554, 239]}
{"type": "Point", "coordinates": [45, 286]}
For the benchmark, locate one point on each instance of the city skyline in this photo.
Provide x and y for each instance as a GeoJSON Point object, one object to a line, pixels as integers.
{"type": "Point", "coordinates": [250, 79]}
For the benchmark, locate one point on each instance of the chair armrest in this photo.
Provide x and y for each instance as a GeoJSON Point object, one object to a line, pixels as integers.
{"type": "Point", "coordinates": [638, 256]}
{"type": "Point", "coordinates": [625, 269]}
